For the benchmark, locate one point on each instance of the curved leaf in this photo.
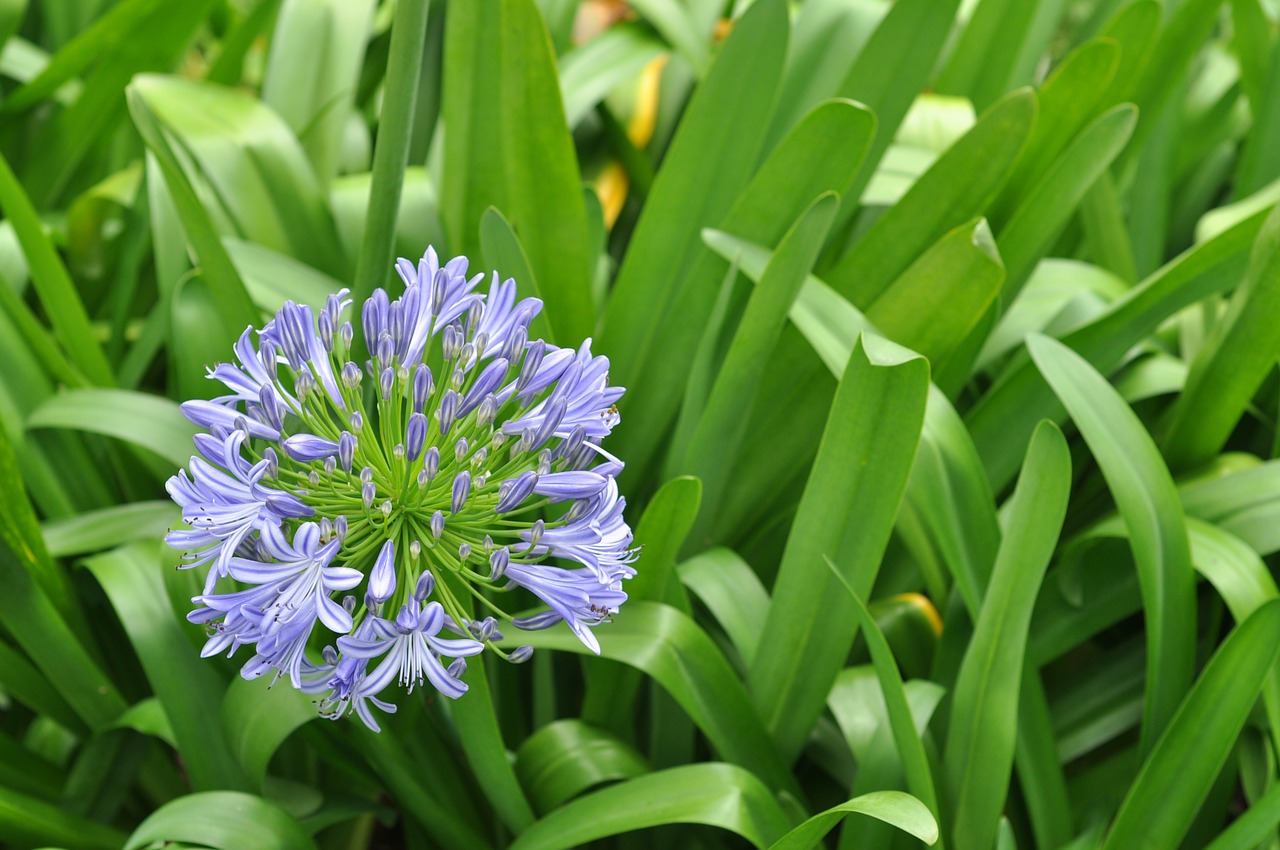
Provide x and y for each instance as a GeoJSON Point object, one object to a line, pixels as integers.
{"type": "Point", "coordinates": [983, 728]}
{"type": "Point", "coordinates": [1177, 776]}
{"type": "Point", "coordinates": [720, 795]}
{"type": "Point", "coordinates": [846, 513]}
{"type": "Point", "coordinates": [147, 421]}
{"type": "Point", "coordinates": [732, 591]}
{"type": "Point", "coordinates": [565, 758]}
{"type": "Point", "coordinates": [256, 720]}
{"type": "Point", "coordinates": [1145, 495]}
{"type": "Point", "coordinates": [671, 648]}
{"type": "Point", "coordinates": [185, 685]}
{"type": "Point", "coordinates": [893, 807]}
{"type": "Point", "coordinates": [225, 820]}
{"type": "Point", "coordinates": [508, 147]}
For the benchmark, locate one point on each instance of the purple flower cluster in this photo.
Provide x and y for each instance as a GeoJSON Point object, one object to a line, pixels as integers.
{"type": "Point", "coordinates": [439, 474]}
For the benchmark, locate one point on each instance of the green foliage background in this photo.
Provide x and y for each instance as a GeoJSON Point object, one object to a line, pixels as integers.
{"type": "Point", "coordinates": [949, 331]}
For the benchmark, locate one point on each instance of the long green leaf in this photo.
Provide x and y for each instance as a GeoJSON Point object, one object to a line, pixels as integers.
{"type": "Point", "coordinates": [565, 758]}
{"type": "Point", "coordinates": [668, 646]}
{"type": "Point", "coordinates": [1048, 206]}
{"type": "Point", "coordinates": [225, 820]}
{"type": "Point", "coordinates": [935, 304]}
{"type": "Point", "coordinates": [893, 807]}
{"type": "Point", "coordinates": [254, 165]}
{"type": "Point", "coordinates": [820, 155]}
{"type": "Point", "coordinates": [720, 795]}
{"type": "Point", "coordinates": [234, 305]}
{"type": "Point", "coordinates": [715, 442]}
{"type": "Point", "coordinates": [733, 594]}
{"type": "Point", "coordinates": [185, 685]}
{"type": "Point", "coordinates": [984, 720]}
{"type": "Point", "coordinates": [52, 283]}
{"type": "Point", "coordinates": [1232, 363]}
{"type": "Point", "coordinates": [391, 154]}
{"type": "Point", "coordinates": [256, 720]}
{"type": "Point", "coordinates": [1176, 777]}
{"type": "Point", "coordinates": [906, 738]}
{"type": "Point", "coordinates": [486, 752]}
{"type": "Point", "coordinates": [312, 72]}
{"type": "Point", "coordinates": [146, 420]}
{"type": "Point", "coordinates": [1001, 38]}
{"type": "Point", "coordinates": [708, 164]}
{"type": "Point", "coordinates": [107, 528]}
{"type": "Point", "coordinates": [1145, 495]}
{"type": "Point", "coordinates": [1002, 421]}
{"type": "Point", "coordinates": [956, 189]}
{"type": "Point", "coordinates": [846, 513]}
{"type": "Point", "coordinates": [31, 822]}
{"type": "Point", "coordinates": [1068, 101]}
{"type": "Point", "coordinates": [507, 146]}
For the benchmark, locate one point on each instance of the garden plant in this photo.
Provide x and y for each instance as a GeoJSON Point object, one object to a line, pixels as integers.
{"type": "Point", "coordinates": [639, 423]}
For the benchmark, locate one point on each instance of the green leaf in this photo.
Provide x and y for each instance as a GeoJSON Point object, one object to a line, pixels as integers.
{"type": "Point", "coordinates": [20, 532]}
{"type": "Point", "coordinates": [565, 758]}
{"type": "Point", "coordinates": [1001, 39]}
{"type": "Point", "coordinates": [1002, 421]}
{"type": "Point", "coordinates": [732, 592]}
{"type": "Point", "coordinates": [720, 795]}
{"type": "Point", "coordinates": [674, 23]}
{"type": "Point", "coordinates": [272, 278]}
{"type": "Point", "coordinates": [53, 285]}
{"type": "Point", "coordinates": [588, 73]}
{"type": "Point", "coordinates": [1231, 365]}
{"type": "Point", "coordinates": [668, 646]}
{"type": "Point", "coordinates": [915, 763]}
{"type": "Point", "coordinates": [30, 822]}
{"type": "Point", "coordinates": [185, 685]}
{"type": "Point", "coordinates": [1068, 100]}
{"type": "Point", "coordinates": [224, 820]}
{"type": "Point", "coordinates": [61, 145]}
{"type": "Point", "coordinates": [984, 716]}
{"type": "Point", "coordinates": [234, 306]}
{"type": "Point", "coordinates": [1254, 827]}
{"type": "Point", "coordinates": [662, 531]}
{"type": "Point", "coordinates": [891, 69]}
{"type": "Point", "coordinates": [257, 719]}
{"type": "Point", "coordinates": [148, 421]}
{"type": "Point", "coordinates": [508, 147]}
{"type": "Point", "coordinates": [956, 189]}
{"type": "Point", "coordinates": [312, 71]}
{"type": "Point", "coordinates": [937, 302]}
{"type": "Point", "coordinates": [416, 226]}
{"type": "Point", "coordinates": [1047, 208]}
{"type": "Point", "coordinates": [860, 472]}
{"type": "Point", "coordinates": [893, 807]}
{"type": "Point", "coordinates": [257, 170]}
{"type": "Point", "coordinates": [714, 446]}
{"type": "Point", "coordinates": [486, 751]}
{"type": "Point", "coordinates": [1177, 776]}
{"type": "Point", "coordinates": [391, 153]}
{"type": "Point", "coordinates": [503, 252]}
{"type": "Point", "coordinates": [1145, 495]}
{"type": "Point", "coordinates": [709, 163]}
{"type": "Point", "coordinates": [1163, 74]}
{"type": "Point", "coordinates": [148, 717]}
{"type": "Point", "coordinates": [820, 155]}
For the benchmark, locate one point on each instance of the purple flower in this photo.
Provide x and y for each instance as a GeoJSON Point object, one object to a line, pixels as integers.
{"type": "Point", "coordinates": [318, 498]}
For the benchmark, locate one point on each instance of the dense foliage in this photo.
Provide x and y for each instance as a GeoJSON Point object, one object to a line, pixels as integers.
{"type": "Point", "coordinates": [948, 332]}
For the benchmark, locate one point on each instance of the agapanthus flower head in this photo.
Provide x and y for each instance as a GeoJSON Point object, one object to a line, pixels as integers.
{"type": "Point", "coordinates": [365, 489]}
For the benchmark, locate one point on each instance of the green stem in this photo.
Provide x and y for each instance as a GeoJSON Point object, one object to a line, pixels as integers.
{"type": "Point", "coordinates": [408, 35]}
